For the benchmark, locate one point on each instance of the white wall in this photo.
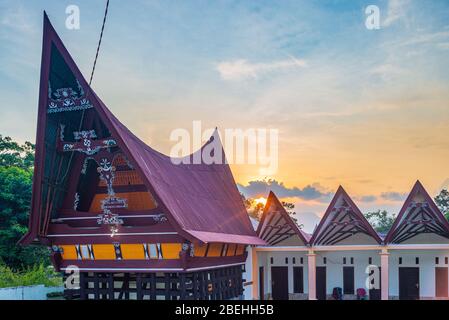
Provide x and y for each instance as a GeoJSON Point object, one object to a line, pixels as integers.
{"type": "Point", "coordinates": [279, 261]}
{"type": "Point", "coordinates": [248, 275]}
{"type": "Point", "coordinates": [38, 292]}
{"type": "Point", "coordinates": [426, 269]}
{"type": "Point", "coordinates": [334, 267]}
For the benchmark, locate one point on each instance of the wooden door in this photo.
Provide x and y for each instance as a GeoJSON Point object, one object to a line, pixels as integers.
{"type": "Point", "coordinates": [376, 294]}
{"type": "Point", "coordinates": [279, 283]}
{"type": "Point", "coordinates": [321, 283]}
{"type": "Point", "coordinates": [298, 280]}
{"type": "Point", "coordinates": [348, 280]}
{"type": "Point", "coordinates": [441, 282]}
{"type": "Point", "coordinates": [409, 283]}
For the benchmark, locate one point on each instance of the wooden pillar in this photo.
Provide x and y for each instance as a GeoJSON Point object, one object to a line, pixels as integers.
{"type": "Point", "coordinates": [255, 273]}
{"type": "Point", "coordinates": [311, 262]}
{"type": "Point", "coordinates": [384, 255]}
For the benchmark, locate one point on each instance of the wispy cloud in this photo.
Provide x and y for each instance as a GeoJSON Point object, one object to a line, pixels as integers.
{"type": "Point", "coordinates": [261, 188]}
{"type": "Point", "coordinates": [366, 199]}
{"type": "Point", "coordinates": [243, 69]}
{"type": "Point", "coordinates": [395, 12]}
{"type": "Point", "coordinates": [393, 196]}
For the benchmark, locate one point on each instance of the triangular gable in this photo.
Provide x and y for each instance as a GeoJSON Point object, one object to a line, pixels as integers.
{"type": "Point", "coordinates": [344, 223]}
{"type": "Point", "coordinates": [419, 218]}
{"type": "Point", "coordinates": [201, 201]}
{"type": "Point", "coordinates": [276, 226]}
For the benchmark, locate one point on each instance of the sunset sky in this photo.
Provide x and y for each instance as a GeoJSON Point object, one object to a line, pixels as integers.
{"type": "Point", "coordinates": [365, 109]}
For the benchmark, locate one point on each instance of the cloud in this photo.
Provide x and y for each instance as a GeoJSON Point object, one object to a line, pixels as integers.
{"type": "Point", "coordinates": [396, 11]}
{"type": "Point", "coordinates": [367, 198]}
{"type": "Point", "coordinates": [261, 188]}
{"type": "Point", "coordinates": [440, 38]}
{"type": "Point", "coordinates": [242, 69]}
{"type": "Point", "coordinates": [393, 196]}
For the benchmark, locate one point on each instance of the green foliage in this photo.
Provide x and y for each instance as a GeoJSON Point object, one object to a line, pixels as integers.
{"type": "Point", "coordinates": [14, 155]}
{"type": "Point", "coordinates": [38, 274]}
{"type": "Point", "coordinates": [442, 202]}
{"type": "Point", "coordinates": [16, 176]}
{"type": "Point", "coordinates": [289, 207]}
{"type": "Point", "coordinates": [382, 221]}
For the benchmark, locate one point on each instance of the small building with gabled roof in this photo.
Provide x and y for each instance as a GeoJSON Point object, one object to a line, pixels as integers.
{"type": "Point", "coordinates": [346, 258]}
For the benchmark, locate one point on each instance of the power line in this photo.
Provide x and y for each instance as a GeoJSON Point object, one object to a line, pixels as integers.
{"type": "Point", "coordinates": [99, 42]}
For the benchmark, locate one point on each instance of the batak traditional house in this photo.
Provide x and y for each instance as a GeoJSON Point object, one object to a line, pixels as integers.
{"type": "Point", "coordinates": [135, 224]}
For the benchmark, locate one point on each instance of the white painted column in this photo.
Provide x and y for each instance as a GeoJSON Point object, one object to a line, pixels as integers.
{"type": "Point", "coordinates": [311, 261]}
{"type": "Point", "coordinates": [255, 273]}
{"type": "Point", "coordinates": [384, 255]}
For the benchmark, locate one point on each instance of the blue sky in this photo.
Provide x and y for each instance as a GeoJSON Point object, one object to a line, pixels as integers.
{"type": "Point", "coordinates": [365, 109]}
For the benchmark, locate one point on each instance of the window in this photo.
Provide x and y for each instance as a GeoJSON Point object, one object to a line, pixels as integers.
{"type": "Point", "coordinates": [344, 260]}
{"type": "Point", "coordinates": [286, 260]}
{"type": "Point", "coordinates": [400, 260]}
{"type": "Point", "coordinates": [155, 251]}
{"type": "Point", "coordinates": [294, 260]}
{"type": "Point", "coordinates": [417, 260]}
{"type": "Point", "coordinates": [370, 260]}
{"type": "Point", "coordinates": [446, 260]}
{"type": "Point", "coordinates": [298, 280]}
{"type": "Point", "coordinates": [437, 260]}
{"type": "Point", "coordinates": [271, 260]}
{"type": "Point", "coordinates": [348, 280]}
{"type": "Point", "coordinates": [324, 260]}
{"type": "Point", "coordinates": [302, 260]}
{"type": "Point", "coordinates": [352, 260]}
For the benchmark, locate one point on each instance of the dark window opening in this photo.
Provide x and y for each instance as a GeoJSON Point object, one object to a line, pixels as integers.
{"type": "Point", "coordinates": [352, 260]}
{"type": "Point", "coordinates": [417, 260]}
{"type": "Point", "coordinates": [286, 260]}
{"type": "Point", "coordinates": [348, 280]}
{"type": "Point", "coordinates": [446, 260]}
{"type": "Point", "coordinates": [370, 260]}
{"type": "Point", "coordinates": [271, 260]}
{"type": "Point", "coordinates": [302, 260]}
{"type": "Point", "coordinates": [324, 260]}
{"type": "Point", "coordinates": [298, 280]}
{"type": "Point", "coordinates": [344, 260]}
{"type": "Point", "coordinates": [294, 260]}
{"type": "Point", "coordinates": [437, 260]}
{"type": "Point", "coordinates": [400, 260]}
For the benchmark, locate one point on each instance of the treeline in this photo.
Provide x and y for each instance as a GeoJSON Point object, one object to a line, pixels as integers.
{"type": "Point", "coordinates": [16, 176]}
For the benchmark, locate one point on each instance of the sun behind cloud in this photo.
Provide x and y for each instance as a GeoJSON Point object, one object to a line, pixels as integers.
{"type": "Point", "coordinates": [261, 200]}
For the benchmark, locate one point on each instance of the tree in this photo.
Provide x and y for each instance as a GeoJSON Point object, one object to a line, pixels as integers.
{"type": "Point", "coordinates": [16, 176]}
{"type": "Point", "coordinates": [442, 202]}
{"type": "Point", "coordinates": [14, 155]}
{"type": "Point", "coordinates": [289, 207]}
{"type": "Point", "coordinates": [253, 208]}
{"type": "Point", "coordinates": [381, 221]}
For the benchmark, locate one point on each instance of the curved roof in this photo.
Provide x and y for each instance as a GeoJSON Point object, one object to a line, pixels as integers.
{"type": "Point", "coordinates": [202, 200]}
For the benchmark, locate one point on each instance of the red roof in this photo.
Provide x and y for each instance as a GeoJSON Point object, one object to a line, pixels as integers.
{"type": "Point", "coordinates": [276, 225]}
{"type": "Point", "coordinates": [341, 222]}
{"type": "Point", "coordinates": [415, 218]}
{"type": "Point", "coordinates": [202, 200]}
